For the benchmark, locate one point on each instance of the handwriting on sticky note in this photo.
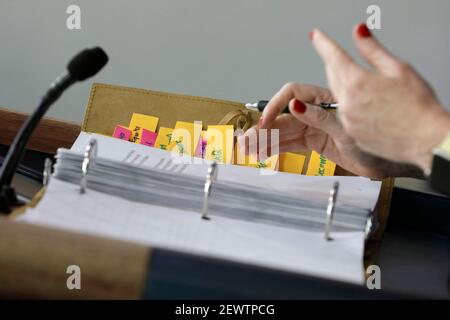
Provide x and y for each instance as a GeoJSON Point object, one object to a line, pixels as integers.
{"type": "Point", "coordinates": [201, 146]}
{"type": "Point", "coordinates": [185, 137]}
{"type": "Point", "coordinates": [291, 162]}
{"type": "Point", "coordinates": [122, 133]}
{"type": "Point", "coordinates": [219, 143]}
{"type": "Point", "coordinates": [139, 122]}
{"type": "Point", "coordinates": [148, 138]}
{"type": "Point", "coordinates": [164, 138]}
{"type": "Point", "coordinates": [252, 160]}
{"type": "Point", "coordinates": [320, 166]}
{"type": "Point", "coordinates": [270, 163]}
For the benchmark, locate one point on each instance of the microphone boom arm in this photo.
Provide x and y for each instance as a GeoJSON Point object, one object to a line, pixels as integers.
{"type": "Point", "coordinates": [84, 65]}
{"type": "Point", "coordinates": [15, 153]}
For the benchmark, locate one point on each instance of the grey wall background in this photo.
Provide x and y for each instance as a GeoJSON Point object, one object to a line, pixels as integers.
{"type": "Point", "coordinates": [234, 49]}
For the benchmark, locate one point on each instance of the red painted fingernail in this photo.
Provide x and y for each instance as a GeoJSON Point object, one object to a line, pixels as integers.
{"type": "Point", "coordinates": [311, 35]}
{"type": "Point", "coordinates": [299, 106]}
{"type": "Point", "coordinates": [363, 31]}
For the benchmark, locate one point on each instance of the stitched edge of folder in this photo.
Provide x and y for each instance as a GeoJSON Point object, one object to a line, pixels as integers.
{"type": "Point", "coordinates": [89, 106]}
{"type": "Point", "coordinates": [387, 202]}
{"type": "Point", "coordinates": [151, 93]}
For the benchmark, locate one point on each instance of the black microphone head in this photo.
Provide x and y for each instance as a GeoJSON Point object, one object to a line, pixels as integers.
{"type": "Point", "coordinates": [87, 63]}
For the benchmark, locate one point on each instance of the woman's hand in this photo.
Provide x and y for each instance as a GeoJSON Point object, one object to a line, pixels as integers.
{"type": "Point", "coordinates": [390, 111]}
{"type": "Point", "coordinates": [309, 127]}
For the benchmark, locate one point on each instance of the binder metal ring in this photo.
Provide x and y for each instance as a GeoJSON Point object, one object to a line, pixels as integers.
{"type": "Point", "coordinates": [330, 210]}
{"type": "Point", "coordinates": [369, 226]}
{"type": "Point", "coordinates": [47, 171]}
{"type": "Point", "coordinates": [89, 154]}
{"type": "Point", "coordinates": [210, 178]}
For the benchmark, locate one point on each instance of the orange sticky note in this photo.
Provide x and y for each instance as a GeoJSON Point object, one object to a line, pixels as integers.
{"type": "Point", "coordinates": [219, 143]}
{"type": "Point", "coordinates": [185, 137]}
{"type": "Point", "coordinates": [164, 138]}
{"type": "Point", "coordinates": [291, 162]}
{"type": "Point", "coordinates": [139, 122]}
{"type": "Point", "coordinates": [320, 166]}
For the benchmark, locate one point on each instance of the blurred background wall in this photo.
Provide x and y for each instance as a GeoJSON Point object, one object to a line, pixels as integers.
{"type": "Point", "coordinates": [235, 49]}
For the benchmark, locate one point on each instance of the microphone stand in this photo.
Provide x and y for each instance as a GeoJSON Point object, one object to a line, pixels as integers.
{"type": "Point", "coordinates": [8, 197]}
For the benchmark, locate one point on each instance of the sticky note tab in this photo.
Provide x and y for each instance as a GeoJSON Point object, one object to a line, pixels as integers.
{"type": "Point", "coordinates": [148, 138]}
{"type": "Point", "coordinates": [270, 163]}
{"type": "Point", "coordinates": [219, 143]}
{"type": "Point", "coordinates": [164, 138]}
{"type": "Point", "coordinates": [122, 133]}
{"type": "Point", "coordinates": [201, 146]}
{"type": "Point", "coordinates": [139, 122]}
{"type": "Point", "coordinates": [291, 162]}
{"type": "Point", "coordinates": [185, 137]}
{"type": "Point", "coordinates": [320, 166]}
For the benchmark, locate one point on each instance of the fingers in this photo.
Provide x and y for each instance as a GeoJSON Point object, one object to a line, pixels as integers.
{"type": "Point", "coordinates": [308, 126]}
{"type": "Point", "coordinates": [375, 54]}
{"type": "Point", "coordinates": [339, 65]}
{"type": "Point", "coordinates": [289, 129]}
{"type": "Point", "coordinates": [316, 117]}
{"type": "Point", "coordinates": [288, 92]}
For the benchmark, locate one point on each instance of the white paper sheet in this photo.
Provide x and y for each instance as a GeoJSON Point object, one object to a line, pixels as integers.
{"type": "Point", "coordinates": [252, 243]}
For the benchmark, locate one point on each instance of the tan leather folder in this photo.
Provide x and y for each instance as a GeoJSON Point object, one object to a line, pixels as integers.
{"type": "Point", "coordinates": [110, 105]}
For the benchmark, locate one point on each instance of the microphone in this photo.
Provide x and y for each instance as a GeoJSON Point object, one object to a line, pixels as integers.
{"type": "Point", "coordinates": [84, 65]}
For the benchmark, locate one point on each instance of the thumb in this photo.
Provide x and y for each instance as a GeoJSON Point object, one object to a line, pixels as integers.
{"type": "Point", "coordinates": [316, 117]}
{"type": "Point", "coordinates": [375, 54]}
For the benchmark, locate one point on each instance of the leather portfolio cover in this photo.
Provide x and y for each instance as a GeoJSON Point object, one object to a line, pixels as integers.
{"type": "Point", "coordinates": [110, 105]}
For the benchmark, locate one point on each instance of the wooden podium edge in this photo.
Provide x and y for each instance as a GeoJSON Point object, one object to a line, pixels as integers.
{"type": "Point", "coordinates": [34, 261]}
{"type": "Point", "coordinates": [50, 134]}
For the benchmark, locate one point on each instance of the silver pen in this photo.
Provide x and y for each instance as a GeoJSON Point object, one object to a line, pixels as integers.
{"type": "Point", "coordinates": [260, 105]}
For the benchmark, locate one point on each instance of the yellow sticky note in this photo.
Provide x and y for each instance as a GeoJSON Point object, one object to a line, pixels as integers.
{"type": "Point", "coordinates": [270, 163]}
{"type": "Point", "coordinates": [185, 137]}
{"type": "Point", "coordinates": [139, 122]}
{"type": "Point", "coordinates": [164, 138]}
{"type": "Point", "coordinates": [320, 166]}
{"type": "Point", "coordinates": [219, 143]}
{"type": "Point", "coordinates": [291, 162]}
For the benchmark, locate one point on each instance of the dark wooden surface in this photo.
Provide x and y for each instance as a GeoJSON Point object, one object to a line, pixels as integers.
{"type": "Point", "coordinates": [49, 135]}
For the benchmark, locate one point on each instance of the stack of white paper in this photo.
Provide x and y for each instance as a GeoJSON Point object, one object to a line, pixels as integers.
{"type": "Point", "coordinates": [138, 193]}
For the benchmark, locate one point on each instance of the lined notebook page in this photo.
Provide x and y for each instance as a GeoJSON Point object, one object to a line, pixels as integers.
{"type": "Point", "coordinates": [252, 243]}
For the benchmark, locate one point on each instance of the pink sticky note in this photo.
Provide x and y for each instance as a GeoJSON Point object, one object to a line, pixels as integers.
{"type": "Point", "coordinates": [122, 133]}
{"type": "Point", "coordinates": [204, 143]}
{"type": "Point", "coordinates": [201, 147]}
{"type": "Point", "coordinates": [148, 137]}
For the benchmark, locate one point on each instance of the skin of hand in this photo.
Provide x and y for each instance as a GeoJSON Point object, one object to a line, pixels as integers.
{"type": "Point", "coordinates": [309, 127]}
{"type": "Point", "coordinates": [389, 111]}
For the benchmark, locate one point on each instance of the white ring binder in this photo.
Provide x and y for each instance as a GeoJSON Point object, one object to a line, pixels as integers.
{"type": "Point", "coordinates": [330, 210]}
{"type": "Point", "coordinates": [210, 178]}
{"type": "Point", "coordinates": [89, 154]}
{"type": "Point", "coordinates": [47, 171]}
